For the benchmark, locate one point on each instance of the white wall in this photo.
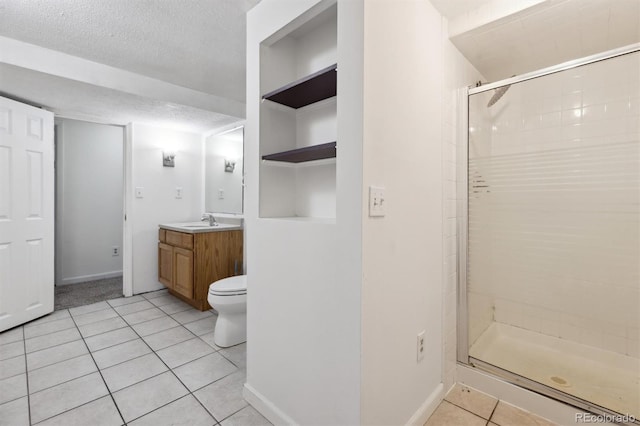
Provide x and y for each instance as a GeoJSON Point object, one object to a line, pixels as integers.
{"type": "Point", "coordinates": [218, 148]}
{"type": "Point", "coordinates": [304, 276]}
{"type": "Point", "coordinates": [89, 195]}
{"type": "Point", "coordinates": [160, 204]}
{"type": "Point", "coordinates": [402, 252]}
{"type": "Point", "coordinates": [558, 249]}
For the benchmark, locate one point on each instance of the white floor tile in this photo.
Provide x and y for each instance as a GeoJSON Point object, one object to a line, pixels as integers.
{"type": "Point", "coordinates": [130, 308]}
{"type": "Point", "coordinates": [224, 397]}
{"type": "Point", "coordinates": [96, 316]}
{"type": "Point", "coordinates": [185, 411]}
{"type": "Point", "coordinates": [111, 338]}
{"type": "Point", "coordinates": [236, 354]}
{"type": "Point", "coordinates": [175, 307]}
{"type": "Point", "coordinates": [155, 326]}
{"type": "Point", "coordinates": [184, 352]}
{"type": "Point", "coordinates": [15, 413]}
{"type": "Point", "coordinates": [168, 338]}
{"type": "Point", "coordinates": [100, 327]}
{"type": "Point", "coordinates": [10, 336]}
{"type": "Point", "coordinates": [11, 350]}
{"type": "Point", "coordinates": [120, 301]}
{"type": "Point", "coordinates": [12, 366]}
{"type": "Point", "coordinates": [248, 416]}
{"type": "Point", "coordinates": [53, 316]}
{"type": "Point", "coordinates": [192, 315]}
{"type": "Point", "coordinates": [81, 310]}
{"type": "Point", "coordinates": [203, 326]}
{"type": "Point", "coordinates": [146, 315]}
{"type": "Point", "coordinates": [133, 371]}
{"type": "Point", "coordinates": [117, 354]}
{"type": "Point", "coordinates": [64, 371]}
{"type": "Point", "coordinates": [144, 397]}
{"type": "Point", "coordinates": [101, 412]}
{"type": "Point", "coordinates": [52, 339]}
{"type": "Point", "coordinates": [48, 327]}
{"type": "Point", "coordinates": [153, 294]}
{"type": "Point", "coordinates": [13, 388]}
{"type": "Point", "coordinates": [56, 354]}
{"type": "Point", "coordinates": [204, 371]}
{"type": "Point", "coordinates": [58, 399]}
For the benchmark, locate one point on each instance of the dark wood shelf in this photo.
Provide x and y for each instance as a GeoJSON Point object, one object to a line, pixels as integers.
{"type": "Point", "coordinates": [308, 90]}
{"type": "Point", "coordinates": [308, 153]}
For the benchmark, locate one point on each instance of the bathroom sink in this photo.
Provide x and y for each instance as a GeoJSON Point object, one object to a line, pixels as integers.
{"type": "Point", "coordinates": [194, 227]}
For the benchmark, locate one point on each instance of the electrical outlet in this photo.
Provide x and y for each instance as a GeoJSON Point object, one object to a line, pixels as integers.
{"type": "Point", "coordinates": [377, 206]}
{"type": "Point", "coordinates": [220, 194]}
{"type": "Point", "coordinates": [420, 346]}
{"type": "Point", "coordinates": [178, 192]}
{"type": "Point", "coordinates": [115, 251]}
{"type": "Point", "coordinates": [139, 192]}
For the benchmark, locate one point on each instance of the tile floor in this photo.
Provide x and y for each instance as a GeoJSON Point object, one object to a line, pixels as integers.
{"type": "Point", "coordinates": [464, 406]}
{"type": "Point", "coordinates": [143, 360]}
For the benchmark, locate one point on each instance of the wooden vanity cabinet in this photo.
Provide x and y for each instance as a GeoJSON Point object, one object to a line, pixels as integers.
{"type": "Point", "coordinates": [189, 263]}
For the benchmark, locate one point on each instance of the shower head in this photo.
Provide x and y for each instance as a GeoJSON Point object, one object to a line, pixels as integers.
{"type": "Point", "coordinates": [498, 93]}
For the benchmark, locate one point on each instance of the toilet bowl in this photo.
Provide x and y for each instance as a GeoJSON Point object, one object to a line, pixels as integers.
{"type": "Point", "coordinates": [229, 297]}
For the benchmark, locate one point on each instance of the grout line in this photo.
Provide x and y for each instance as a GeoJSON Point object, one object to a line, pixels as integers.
{"type": "Point", "coordinates": [464, 409]}
{"type": "Point", "coordinates": [66, 381]}
{"type": "Point", "coordinates": [189, 392]}
{"type": "Point", "coordinates": [494, 410]}
{"type": "Point", "coordinates": [101, 376]}
{"type": "Point", "coordinates": [35, 323]}
{"type": "Point", "coordinates": [56, 363]}
{"type": "Point", "coordinates": [26, 374]}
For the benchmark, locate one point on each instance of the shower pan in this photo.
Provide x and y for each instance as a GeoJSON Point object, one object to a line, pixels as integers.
{"type": "Point", "coordinates": [549, 233]}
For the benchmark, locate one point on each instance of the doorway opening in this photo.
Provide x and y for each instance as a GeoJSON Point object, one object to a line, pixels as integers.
{"type": "Point", "coordinates": [89, 212]}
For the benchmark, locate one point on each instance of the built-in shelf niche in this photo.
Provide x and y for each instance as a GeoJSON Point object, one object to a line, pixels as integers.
{"type": "Point", "coordinates": [308, 153]}
{"type": "Point", "coordinates": [313, 88]}
{"type": "Point", "coordinates": [298, 121]}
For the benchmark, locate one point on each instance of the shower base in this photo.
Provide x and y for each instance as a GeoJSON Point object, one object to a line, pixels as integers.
{"type": "Point", "coordinates": [601, 377]}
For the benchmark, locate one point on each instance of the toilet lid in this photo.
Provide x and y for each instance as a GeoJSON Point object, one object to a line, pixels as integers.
{"type": "Point", "coordinates": [231, 285]}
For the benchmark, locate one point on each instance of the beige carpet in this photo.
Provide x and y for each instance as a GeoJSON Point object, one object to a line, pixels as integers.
{"type": "Point", "coordinates": [73, 295]}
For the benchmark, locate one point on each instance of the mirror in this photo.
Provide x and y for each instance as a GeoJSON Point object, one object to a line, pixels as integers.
{"type": "Point", "coordinates": [224, 172]}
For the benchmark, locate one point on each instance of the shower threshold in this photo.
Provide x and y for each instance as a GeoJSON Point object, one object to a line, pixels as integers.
{"type": "Point", "coordinates": [604, 378]}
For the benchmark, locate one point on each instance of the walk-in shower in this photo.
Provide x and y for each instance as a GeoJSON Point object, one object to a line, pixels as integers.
{"type": "Point", "coordinates": [549, 241]}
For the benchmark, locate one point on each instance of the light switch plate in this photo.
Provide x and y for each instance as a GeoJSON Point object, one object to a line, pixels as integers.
{"type": "Point", "coordinates": [220, 194]}
{"type": "Point", "coordinates": [139, 192]}
{"type": "Point", "coordinates": [377, 203]}
{"type": "Point", "coordinates": [178, 192]}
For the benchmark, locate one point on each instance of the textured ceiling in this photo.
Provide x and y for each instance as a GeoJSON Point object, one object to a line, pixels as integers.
{"type": "Point", "coordinates": [199, 44]}
{"type": "Point", "coordinates": [548, 33]}
{"type": "Point", "coordinates": [73, 99]}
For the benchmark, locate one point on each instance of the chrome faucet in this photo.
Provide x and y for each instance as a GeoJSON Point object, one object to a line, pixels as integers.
{"type": "Point", "coordinates": [210, 218]}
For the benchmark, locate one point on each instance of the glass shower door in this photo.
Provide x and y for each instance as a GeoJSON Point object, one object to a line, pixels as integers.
{"type": "Point", "coordinates": [553, 246]}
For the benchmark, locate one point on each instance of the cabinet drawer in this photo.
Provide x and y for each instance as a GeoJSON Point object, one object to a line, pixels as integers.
{"type": "Point", "coordinates": [162, 236]}
{"type": "Point", "coordinates": [179, 239]}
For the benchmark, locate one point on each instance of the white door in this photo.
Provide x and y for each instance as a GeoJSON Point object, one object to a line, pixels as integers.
{"type": "Point", "coordinates": [26, 213]}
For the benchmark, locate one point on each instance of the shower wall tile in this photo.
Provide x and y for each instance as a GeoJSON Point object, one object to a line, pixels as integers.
{"type": "Point", "coordinates": [585, 290]}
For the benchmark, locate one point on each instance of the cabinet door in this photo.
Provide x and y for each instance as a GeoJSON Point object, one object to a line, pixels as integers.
{"type": "Point", "coordinates": [183, 272]}
{"type": "Point", "coordinates": [165, 264]}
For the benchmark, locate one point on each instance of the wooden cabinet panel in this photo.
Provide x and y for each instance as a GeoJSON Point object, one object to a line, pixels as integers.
{"type": "Point", "coordinates": [189, 263]}
{"type": "Point", "coordinates": [179, 239]}
{"type": "Point", "coordinates": [183, 272]}
{"type": "Point", "coordinates": [165, 264]}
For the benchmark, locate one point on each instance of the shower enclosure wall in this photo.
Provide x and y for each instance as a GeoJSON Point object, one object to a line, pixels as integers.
{"type": "Point", "coordinates": [549, 278]}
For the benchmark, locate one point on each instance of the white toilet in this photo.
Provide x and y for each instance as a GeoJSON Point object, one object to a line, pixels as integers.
{"type": "Point", "coordinates": [229, 297]}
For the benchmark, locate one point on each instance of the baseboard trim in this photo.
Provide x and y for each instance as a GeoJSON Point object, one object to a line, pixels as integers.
{"type": "Point", "coordinates": [427, 408]}
{"type": "Point", "coordinates": [265, 407]}
{"type": "Point", "coordinates": [93, 277]}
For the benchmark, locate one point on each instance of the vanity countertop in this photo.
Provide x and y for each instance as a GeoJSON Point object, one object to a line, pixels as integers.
{"type": "Point", "coordinates": [199, 227]}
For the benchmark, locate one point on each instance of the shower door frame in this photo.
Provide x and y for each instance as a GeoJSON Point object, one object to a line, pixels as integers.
{"type": "Point", "coordinates": [463, 229]}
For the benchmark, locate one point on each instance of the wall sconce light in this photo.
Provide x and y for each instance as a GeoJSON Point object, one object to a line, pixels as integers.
{"type": "Point", "coordinates": [229, 166]}
{"type": "Point", "coordinates": [169, 159]}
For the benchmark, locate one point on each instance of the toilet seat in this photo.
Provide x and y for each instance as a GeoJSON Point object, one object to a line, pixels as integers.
{"type": "Point", "coordinates": [232, 286]}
